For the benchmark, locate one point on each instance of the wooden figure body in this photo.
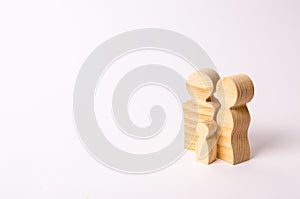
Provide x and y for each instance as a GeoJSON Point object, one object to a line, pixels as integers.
{"type": "Point", "coordinates": [233, 118]}
{"type": "Point", "coordinates": [199, 113]}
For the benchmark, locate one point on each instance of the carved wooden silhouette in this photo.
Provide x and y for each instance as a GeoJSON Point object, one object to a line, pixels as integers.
{"type": "Point", "coordinates": [199, 114]}
{"type": "Point", "coordinates": [233, 118]}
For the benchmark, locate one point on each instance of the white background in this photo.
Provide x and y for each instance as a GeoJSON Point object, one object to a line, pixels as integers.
{"type": "Point", "coordinates": [42, 47]}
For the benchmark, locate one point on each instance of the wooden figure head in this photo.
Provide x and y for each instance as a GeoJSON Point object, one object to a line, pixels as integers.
{"type": "Point", "coordinates": [235, 90]}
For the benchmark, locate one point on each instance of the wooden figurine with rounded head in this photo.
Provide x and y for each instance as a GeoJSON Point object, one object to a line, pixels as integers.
{"type": "Point", "coordinates": [200, 128]}
{"type": "Point", "coordinates": [233, 118]}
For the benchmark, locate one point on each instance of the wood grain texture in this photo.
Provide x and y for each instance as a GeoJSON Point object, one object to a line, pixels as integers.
{"type": "Point", "coordinates": [233, 118]}
{"type": "Point", "coordinates": [199, 114]}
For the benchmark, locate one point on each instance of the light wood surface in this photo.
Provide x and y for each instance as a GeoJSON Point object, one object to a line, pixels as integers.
{"type": "Point", "coordinates": [200, 129]}
{"type": "Point", "coordinates": [233, 118]}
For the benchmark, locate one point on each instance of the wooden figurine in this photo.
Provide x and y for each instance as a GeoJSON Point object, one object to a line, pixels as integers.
{"type": "Point", "coordinates": [233, 118]}
{"type": "Point", "coordinates": [199, 115]}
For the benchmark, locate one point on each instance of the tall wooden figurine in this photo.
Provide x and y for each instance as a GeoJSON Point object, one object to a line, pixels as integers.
{"type": "Point", "coordinates": [233, 118]}
{"type": "Point", "coordinates": [200, 128]}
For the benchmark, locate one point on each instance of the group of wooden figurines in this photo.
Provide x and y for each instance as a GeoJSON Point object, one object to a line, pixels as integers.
{"type": "Point", "coordinates": [216, 119]}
